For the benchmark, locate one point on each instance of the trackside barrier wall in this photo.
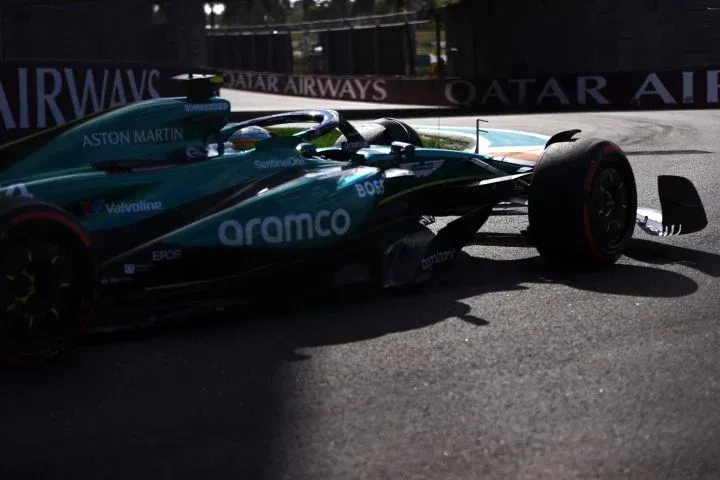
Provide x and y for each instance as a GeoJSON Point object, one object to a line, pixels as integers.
{"type": "Point", "coordinates": [686, 88]}
{"type": "Point", "coordinates": [37, 94]}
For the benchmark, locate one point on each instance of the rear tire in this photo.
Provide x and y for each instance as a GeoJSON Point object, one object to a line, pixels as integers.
{"type": "Point", "coordinates": [582, 203]}
{"type": "Point", "coordinates": [47, 281]}
{"type": "Point", "coordinates": [385, 131]}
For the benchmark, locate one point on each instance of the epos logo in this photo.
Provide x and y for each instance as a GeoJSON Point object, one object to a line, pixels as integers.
{"type": "Point", "coordinates": [370, 189]}
{"type": "Point", "coordinates": [160, 255]}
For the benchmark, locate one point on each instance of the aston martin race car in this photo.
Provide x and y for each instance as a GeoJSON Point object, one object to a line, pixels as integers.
{"type": "Point", "coordinates": [152, 205]}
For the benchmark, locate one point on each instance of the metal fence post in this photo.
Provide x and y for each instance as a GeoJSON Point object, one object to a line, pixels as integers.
{"type": "Point", "coordinates": [438, 46]}
{"type": "Point", "coordinates": [351, 54]}
{"type": "Point", "coordinates": [253, 55]}
{"type": "Point", "coordinates": [3, 29]}
{"type": "Point", "coordinates": [409, 50]}
{"type": "Point", "coordinates": [376, 49]}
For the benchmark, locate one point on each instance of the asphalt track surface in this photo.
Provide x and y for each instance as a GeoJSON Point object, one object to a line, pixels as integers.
{"type": "Point", "coordinates": [506, 370]}
{"type": "Point", "coordinates": [259, 101]}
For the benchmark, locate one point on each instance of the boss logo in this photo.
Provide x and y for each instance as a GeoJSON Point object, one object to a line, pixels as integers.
{"type": "Point", "coordinates": [165, 255]}
{"type": "Point", "coordinates": [370, 189]}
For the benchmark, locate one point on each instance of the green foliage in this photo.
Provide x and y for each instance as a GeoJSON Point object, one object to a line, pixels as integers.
{"type": "Point", "coordinates": [430, 141]}
{"type": "Point", "coordinates": [327, 140]}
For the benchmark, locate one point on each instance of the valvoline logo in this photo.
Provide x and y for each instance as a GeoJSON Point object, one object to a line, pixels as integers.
{"type": "Point", "coordinates": [91, 208]}
{"type": "Point", "coordinates": [119, 208]}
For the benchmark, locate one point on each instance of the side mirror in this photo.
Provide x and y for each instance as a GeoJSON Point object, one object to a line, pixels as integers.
{"type": "Point", "coordinates": [402, 150]}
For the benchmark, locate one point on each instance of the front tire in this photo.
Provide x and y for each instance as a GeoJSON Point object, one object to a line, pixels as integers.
{"type": "Point", "coordinates": [47, 281]}
{"type": "Point", "coordinates": [582, 203]}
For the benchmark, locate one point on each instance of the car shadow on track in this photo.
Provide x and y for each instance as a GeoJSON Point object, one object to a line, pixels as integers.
{"type": "Point", "coordinates": [210, 398]}
{"type": "Point", "coordinates": [201, 399]}
{"type": "Point", "coordinates": [620, 278]}
{"type": "Point", "coordinates": [658, 253]}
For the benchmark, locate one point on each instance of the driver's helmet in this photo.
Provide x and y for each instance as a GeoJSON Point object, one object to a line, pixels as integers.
{"type": "Point", "coordinates": [246, 138]}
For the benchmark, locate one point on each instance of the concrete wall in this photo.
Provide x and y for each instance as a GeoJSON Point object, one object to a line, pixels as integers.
{"type": "Point", "coordinates": [506, 38]}
{"type": "Point", "coordinates": [114, 30]}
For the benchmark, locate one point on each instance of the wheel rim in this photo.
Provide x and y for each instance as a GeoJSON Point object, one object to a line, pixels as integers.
{"type": "Point", "coordinates": [39, 296]}
{"type": "Point", "coordinates": [609, 214]}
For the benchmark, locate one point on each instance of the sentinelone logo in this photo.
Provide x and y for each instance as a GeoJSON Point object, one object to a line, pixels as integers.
{"type": "Point", "coordinates": [280, 163]}
{"type": "Point", "coordinates": [92, 208]}
{"type": "Point", "coordinates": [207, 107]}
{"type": "Point", "coordinates": [291, 228]}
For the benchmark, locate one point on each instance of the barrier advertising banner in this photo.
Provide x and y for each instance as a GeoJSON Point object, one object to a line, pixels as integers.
{"type": "Point", "coordinates": [358, 88]}
{"type": "Point", "coordinates": [688, 88]}
{"type": "Point", "coordinates": [35, 95]}
{"type": "Point", "coordinates": [616, 91]}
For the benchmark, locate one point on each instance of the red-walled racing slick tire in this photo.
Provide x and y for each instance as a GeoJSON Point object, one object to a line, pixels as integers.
{"type": "Point", "coordinates": [47, 281]}
{"type": "Point", "coordinates": [582, 203]}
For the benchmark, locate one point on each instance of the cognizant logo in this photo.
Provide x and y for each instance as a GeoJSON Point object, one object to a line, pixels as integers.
{"type": "Point", "coordinates": [290, 228]}
{"type": "Point", "coordinates": [437, 258]}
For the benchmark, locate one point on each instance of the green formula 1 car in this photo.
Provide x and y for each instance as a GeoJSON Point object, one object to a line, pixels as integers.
{"type": "Point", "coordinates": [151, 205]}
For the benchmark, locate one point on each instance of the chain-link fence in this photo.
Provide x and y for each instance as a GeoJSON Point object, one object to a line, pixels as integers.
{"type": "Point", "coordinates": [118, 30]}
{"type": "Point", "coordinates": [260, 52]}
{"type": "Point", "coordinates": [80, 29]}
{"type": "Point", "coordinates": [394, 44]}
